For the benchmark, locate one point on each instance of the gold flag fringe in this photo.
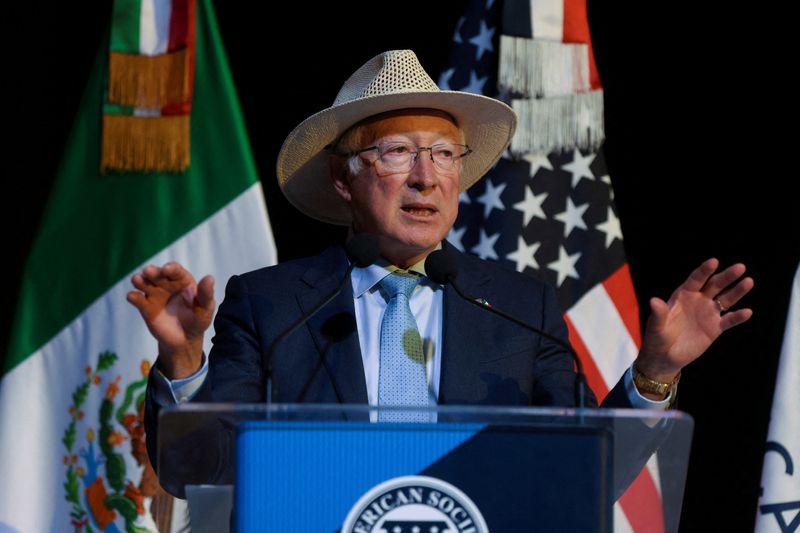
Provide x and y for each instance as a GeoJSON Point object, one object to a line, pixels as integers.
{"type": "Point", "coordinates": [149, 81]}
{"type": "Point", "coordinates": [145, 144]}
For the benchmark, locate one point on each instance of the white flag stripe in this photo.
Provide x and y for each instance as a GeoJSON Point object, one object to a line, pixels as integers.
{"type": "Point", "coordinates": [235, 239]}
{"type": "Point", "coordinates": [778, 485]}
{"type": "Point", "coordinates": [612, 348]}
{"type": "Point", "coordinates": [621, 524]}
{"type": "Point", "coordinates": [154, 18]}
{"type": "Point", "coordinates": [652, 466]}
{"type": "Point", "coordinates": [547, 20]}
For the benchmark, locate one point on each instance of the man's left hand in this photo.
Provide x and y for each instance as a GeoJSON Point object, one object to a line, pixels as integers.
{"type": "Point", "coordinates": [679, 330]}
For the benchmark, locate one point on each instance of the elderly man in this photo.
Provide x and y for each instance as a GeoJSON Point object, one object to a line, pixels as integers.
{"type": "Point", "coordinates": [389, 159]}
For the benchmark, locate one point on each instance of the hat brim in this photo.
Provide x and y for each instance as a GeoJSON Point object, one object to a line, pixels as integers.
{"type": "Point", "coordinates": [303, 172]}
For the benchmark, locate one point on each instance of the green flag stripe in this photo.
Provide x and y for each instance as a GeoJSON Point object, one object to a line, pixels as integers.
{"type": "Point", "coordinates": [126, 18]}
{"type": "Point", "coordinates": [116, 109]}
{"type": "Point", "coordinates": [97, 228]}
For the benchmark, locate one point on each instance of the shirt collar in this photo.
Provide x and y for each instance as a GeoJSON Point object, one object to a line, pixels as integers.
{"type": "Point", "coordinates": [364, 279]}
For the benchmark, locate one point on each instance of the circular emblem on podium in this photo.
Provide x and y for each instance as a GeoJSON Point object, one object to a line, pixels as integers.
{"type": "Point", "coordinates": [414, 504]}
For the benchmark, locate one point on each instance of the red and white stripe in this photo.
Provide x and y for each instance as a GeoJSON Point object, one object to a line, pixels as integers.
{"type": "Point", "coordinates": [604, 330]}
{"type": "Point", "coordinates": [565, 21]}
{"type": "Point", "coordinates": [164, 26]}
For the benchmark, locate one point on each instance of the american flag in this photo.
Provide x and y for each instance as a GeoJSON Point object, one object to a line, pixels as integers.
{"type": "Point", "coordinates": [553, 216]}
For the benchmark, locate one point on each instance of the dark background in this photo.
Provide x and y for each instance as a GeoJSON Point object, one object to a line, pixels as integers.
{"type": "Point", "coordinates": [697, 110]}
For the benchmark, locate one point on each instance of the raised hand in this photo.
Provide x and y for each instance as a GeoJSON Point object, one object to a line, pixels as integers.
{"type": "Point", "coordinates": [679, 330]}
{"type": "Point", "coordinates": [177, 311]}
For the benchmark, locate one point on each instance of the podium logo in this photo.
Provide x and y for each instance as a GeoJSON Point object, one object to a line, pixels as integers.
{"type": "Point", "coordinates": [414, 504]}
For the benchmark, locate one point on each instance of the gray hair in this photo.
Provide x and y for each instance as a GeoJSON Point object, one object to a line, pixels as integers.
{"type": "Point", "coordinates": [347, 143]}
{"type": "Point", "coordinates": [354, 165]}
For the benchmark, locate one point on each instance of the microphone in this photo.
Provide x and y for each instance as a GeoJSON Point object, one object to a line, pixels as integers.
{"type": "Point", "coordinates": [362, 250]}
{"type": "Point", "coordinates": [441, 267]}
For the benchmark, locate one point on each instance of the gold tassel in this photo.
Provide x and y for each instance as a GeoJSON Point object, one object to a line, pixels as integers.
{"type": "Point", "coordinates": [148, 81]}
{"type": "Point", "coordinates": [145, 144]}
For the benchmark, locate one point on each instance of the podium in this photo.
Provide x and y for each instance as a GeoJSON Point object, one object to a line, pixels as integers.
{"type": "Point", "coordinates": [305, 467]}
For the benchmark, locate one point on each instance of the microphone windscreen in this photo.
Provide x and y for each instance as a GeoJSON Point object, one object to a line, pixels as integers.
{"type": "Point", "coordinates": [362, 249]}
{"type": "Point", "coordinates": [441, 266]}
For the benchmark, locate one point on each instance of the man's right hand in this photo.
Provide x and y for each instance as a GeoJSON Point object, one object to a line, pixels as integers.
{"type": "Point", "coordinates": [177, 311]}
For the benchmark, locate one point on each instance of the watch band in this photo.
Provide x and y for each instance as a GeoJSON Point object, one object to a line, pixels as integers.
{"type": "Point", "coordinates": [645, 384]}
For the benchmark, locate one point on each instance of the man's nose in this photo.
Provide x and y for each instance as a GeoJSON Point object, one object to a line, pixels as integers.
{"type": "Point", "coordinates": [423, 175]}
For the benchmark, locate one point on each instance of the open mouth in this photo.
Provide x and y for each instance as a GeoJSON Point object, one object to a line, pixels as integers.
{"type": "Point", "coordinates": [419, 210]}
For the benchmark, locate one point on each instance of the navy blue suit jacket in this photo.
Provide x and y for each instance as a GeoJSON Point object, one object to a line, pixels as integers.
{"type": "Point", "coordinates": [486, 360]}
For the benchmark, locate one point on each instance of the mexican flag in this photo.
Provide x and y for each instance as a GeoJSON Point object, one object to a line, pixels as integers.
{"type": "Point", "coordinates": [71, 439]}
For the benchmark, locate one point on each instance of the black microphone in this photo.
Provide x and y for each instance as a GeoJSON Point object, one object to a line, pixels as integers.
{"type": "Point", "coordinates": [362, 250]}
{"type": "Point", "coordinates": [442, 268]}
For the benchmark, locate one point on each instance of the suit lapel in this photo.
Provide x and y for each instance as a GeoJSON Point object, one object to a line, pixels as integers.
{"type": "Point", "coordinates": [464, 337]}
{"type": "Point", "coordinates": [334, 329]}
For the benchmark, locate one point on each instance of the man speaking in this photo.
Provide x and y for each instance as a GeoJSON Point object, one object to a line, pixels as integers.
{"type": "Point", "coordinates": [388, 159]}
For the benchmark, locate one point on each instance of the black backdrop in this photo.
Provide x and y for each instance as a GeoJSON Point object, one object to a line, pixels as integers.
{"type": "Point", "coordinates": [696, 114]}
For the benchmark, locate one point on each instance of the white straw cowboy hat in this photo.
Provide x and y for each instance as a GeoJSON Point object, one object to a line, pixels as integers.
{"type": "Point", "coordinates": [390, 81]}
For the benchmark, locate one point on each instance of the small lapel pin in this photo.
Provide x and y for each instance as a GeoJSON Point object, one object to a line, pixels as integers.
{"type": "Point", "coordinates": [483, 301]}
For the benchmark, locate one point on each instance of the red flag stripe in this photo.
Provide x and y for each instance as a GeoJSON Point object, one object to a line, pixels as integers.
{"type": "Point", "coordinates": [642, 505]}
{"type": "Point", "coordinates": [191, 37]}
{"type": "Point", "coordinates": [182, 33]}
{"type": "Point", "coordinates": [576, 30]}
{"type": "Point", "coordinates": [178, 25]}
{"type": "Point", "coordinates": [619, 287]}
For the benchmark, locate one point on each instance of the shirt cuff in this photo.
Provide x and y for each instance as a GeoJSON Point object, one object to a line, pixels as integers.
{"type": "Point", "coordinates": [640, 402]}
{"type": "Point", "coordinates": [180, 390]}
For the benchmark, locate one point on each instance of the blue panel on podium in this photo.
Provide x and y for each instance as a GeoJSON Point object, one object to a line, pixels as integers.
{"type": "Point", "coordinates": [305, 476]}
{"type": "Point", "coordinates": [309, 476]}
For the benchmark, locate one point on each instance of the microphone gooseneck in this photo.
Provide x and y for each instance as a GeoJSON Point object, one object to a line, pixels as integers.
{"type": "Point", "coordinates": [362, 250]}
{"type": "Point", "coordinates": [441, 267]}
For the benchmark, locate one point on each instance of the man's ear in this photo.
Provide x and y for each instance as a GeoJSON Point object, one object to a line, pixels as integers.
{"type": "Point", "coordinates": [340, 176]}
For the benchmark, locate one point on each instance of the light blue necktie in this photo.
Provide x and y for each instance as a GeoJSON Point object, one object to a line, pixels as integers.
{"type": "Point", "coordinates": [402, 378]}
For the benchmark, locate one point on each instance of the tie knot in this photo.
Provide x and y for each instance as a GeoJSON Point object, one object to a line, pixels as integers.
{"type": "Point", "coordinates": [397, 283]}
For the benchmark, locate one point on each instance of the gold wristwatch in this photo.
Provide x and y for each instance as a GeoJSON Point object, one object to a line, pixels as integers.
{"type": "Point", "coordinates": [645, 384]}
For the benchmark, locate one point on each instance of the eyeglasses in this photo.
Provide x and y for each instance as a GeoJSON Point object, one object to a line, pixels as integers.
{"type": "Point", "coordinates": [396, 157]}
